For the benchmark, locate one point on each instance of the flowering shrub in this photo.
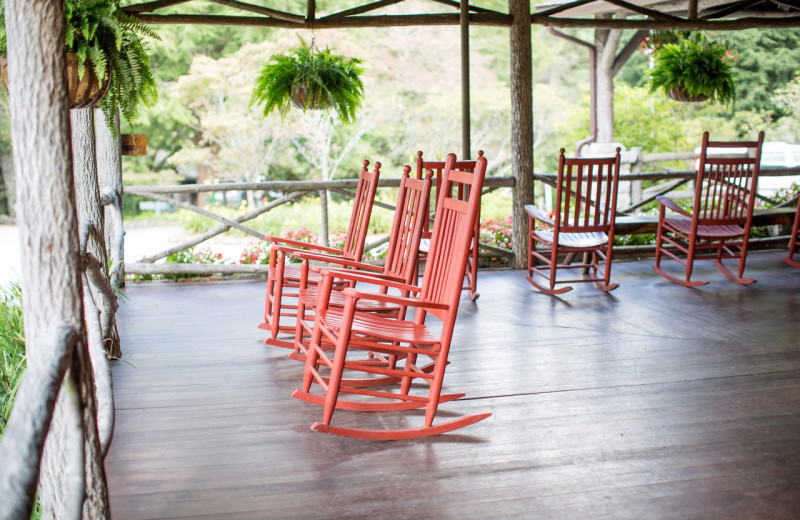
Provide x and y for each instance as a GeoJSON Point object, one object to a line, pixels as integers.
{"type": "Point", "coordinates": [497, 234]}
{"type": "Point", "coordinates": [303, 235]}
{"type": "Point", "coordinates": [202, 256]}
{"type": "Point", "coordinates": [255, 253]}
{"type": "Point", "coordinates": [337, 239]}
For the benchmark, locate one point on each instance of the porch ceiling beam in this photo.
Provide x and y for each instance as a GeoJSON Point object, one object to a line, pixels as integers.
{"type": "Point", "coordinates": [361, 9]}
{"type": "Point", "coordinates": [733, 8]}
{"type": "Point", "coordinates": [149, 7]}
{"type": "Point", "coordinates": [472, 8]}
{"type": "Point", "coordinates": [489, 19]}
{"type": "Point", "coordinates": [656, 15]}
{"type": "Point", "coordinates": [687, 25]}
{"type": "Point", "coordinates": [261, 10]}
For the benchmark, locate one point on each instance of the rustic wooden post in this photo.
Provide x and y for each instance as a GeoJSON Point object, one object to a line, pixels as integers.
{"type": "Point", "coordinates": [51, 267]}
{"type": "Point", "coordinates": [91, 219]}
{"type": "Point", "coordinates": [521, 124]}
{"type": "Point", "coordinates": [109, 171]}
{"type": "Point", "coordinates": [637, 167]}
{"type": "Point", "coordinates": [465, 113]}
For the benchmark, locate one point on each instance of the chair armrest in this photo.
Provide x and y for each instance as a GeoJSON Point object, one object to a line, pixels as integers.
{"type": "Point", "coordinates": [297, 244]}
{"type": "Point", "coordinates": [398, 300]}
{"type": "Point", "coordinates": [310, 255]}
{"type": "Point", "coordinates": [668, 203]}
{"type": "Point", "coordinates": [538, 214]}
{"type": "Point", "coordinates": [369, 278]}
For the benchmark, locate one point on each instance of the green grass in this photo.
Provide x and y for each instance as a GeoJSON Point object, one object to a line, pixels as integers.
{"type": "Point", "coordinates": [12, 348]}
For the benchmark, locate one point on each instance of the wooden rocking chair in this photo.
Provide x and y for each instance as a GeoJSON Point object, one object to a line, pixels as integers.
{"type": "Point", "coordinates": [582, 222]}
{"type": "Point", "coordinates": [718, 225]}
{"type": "Point", "coordinates": [283, 280]}
{"type": "Point", "coordinates": [794, 239]}
{"type": "Point", "coordinates": [437, 167]}
{"type": "Point", "coordinates": [349, 330]}
{"type": "Point", "coordinates": [400, 264]}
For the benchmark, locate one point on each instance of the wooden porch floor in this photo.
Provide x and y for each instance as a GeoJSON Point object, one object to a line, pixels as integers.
{"type": "Point", "coordinates": [655, 401]}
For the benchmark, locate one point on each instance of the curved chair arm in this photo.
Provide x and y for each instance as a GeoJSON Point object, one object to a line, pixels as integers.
{"type": "Point", "coordinates": [297, 244]}
{"type": "Point", "coordinates": [369, 278]}
{"type": "Point", "coordinates": [668, 203]}
{"type": "Point", "coordinates": [539, 215]}
{"type": "Point", "coordinates": [310, 255]}
{"type": "Point", "coordinates": [398, 300]}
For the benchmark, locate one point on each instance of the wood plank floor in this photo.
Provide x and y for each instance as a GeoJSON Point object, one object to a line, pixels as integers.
{"type": "Point", "coordinates": [654, 401]}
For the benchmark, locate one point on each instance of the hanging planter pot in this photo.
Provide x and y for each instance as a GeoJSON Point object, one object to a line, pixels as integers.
{"type": "Point", "coordinates": [693, 67]}
{"type": "Point", "coordinates": [133, 144]}
{"type": "Point", "coordinates": [681, 94]}
{"type": "Point", "coordinates": [308, 78]}
{"type": "Point", "coordinates": [85, 91]}
{"type": "Point", "coordinates": [306, 97]}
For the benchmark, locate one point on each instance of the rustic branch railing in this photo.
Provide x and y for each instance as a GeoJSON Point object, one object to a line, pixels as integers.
{"type": "Point", "coordinates": [293, 190]}
{"type": "Point", "coordinates": [630, 221]}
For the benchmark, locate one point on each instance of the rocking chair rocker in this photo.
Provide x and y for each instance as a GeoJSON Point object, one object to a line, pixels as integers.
{"type": "Point", "coordinates": [718, 226]}
{"type": "Point", "coordinates": [351, 331]}
{"type": "Point", "coordinates": [283, 280]}
{"type": "Point", "coordinates": [582, 222]}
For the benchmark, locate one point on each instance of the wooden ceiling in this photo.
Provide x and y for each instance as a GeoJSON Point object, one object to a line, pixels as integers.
{"type": "Point", "coordinates": [619, 14]}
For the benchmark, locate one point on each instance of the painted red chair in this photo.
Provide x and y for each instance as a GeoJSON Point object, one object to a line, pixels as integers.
{"type": "Point", "coordinates": [354, 333]}
{"type": "Point", "coordinates": [582, 222]}
{"type": "Point", "coordinates": [717, 227]}
{"type": "Point", "coordinates": [283, 280]}
{"type": "Point", "coordinates": [437, 167]}
{"type": "Point", "coordinates": [400, 263]}
{"type": "Point", "coordinates": [795, 236]}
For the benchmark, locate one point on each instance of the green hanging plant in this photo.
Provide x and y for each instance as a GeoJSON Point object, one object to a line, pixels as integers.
{"type": "Point", "coordinates": [309, 78]}
{"type": "Point", "coordinates": [694, 68]}
{"type": "Point", "coordinates": [113, 44]}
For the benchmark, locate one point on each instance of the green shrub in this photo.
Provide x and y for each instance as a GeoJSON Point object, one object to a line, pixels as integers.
{"type": "Point", "coordinates": [12, 348]}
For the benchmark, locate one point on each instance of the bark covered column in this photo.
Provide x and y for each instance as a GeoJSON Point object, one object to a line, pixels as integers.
{"type": "Point", "coordinates": [521, 124]}
{"type": "Point", "coordinates": [51, 266]}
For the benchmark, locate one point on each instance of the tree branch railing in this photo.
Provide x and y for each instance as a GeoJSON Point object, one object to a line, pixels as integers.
{"type": "Point", "coordinates": [292, 191]}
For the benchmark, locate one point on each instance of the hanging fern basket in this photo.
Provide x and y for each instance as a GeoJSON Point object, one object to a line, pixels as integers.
{"type": "Point", "coordinates": [306, 97]}
{"type": "Point", "coordinates": [681, 94]}
{"type": "Point", "coordinates": [84, 91]}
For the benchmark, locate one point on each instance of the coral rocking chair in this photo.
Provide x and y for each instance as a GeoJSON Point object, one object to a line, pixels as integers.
{"type": "Point", "coordinates": [283, 280]}
{"type": "Point", "coordinates": [582, 223]}
{"type": "Point", "coordinates": [437, 167]}
{"type": "Point", "coordinates": [718, 225]}
{"type": "Point", "coordinates": [795, 237]}
{"type": "Point", "coordinates": [356, 334]}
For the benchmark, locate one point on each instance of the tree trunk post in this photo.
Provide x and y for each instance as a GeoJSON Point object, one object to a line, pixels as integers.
{"type": "Point", "coordinates": [606, 42]}
{"type": "Point", "coordinates": [91, 219]}
{"type": "Point", "coordinates": [521, 124]}
{"type": "Point", "coordinates": [48, 234]}
{"type": "Point", "coordinates": [109, 172]}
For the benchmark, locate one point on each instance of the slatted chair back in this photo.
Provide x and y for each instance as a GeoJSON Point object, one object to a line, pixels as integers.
{"type": "Point", "coordinates": [725, 189]}
{"type": "Point", "coordinates": [586, 194]}
{"type": "Point", "coordinates": [410, 220]}
{"type": "Point", "coordinates": [450, 240]}
{"type": "Point", "coordinates": [362, 209]}
{"type": "Point", "coordinates": [436, 168]}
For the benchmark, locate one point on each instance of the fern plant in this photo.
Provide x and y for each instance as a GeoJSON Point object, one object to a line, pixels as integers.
{"type": "Point", "coordinates": [113, 44]}
{"type": "Point", "coordinates": [329, 79]}
{"type": "Point", "coordinates": [697, 64]}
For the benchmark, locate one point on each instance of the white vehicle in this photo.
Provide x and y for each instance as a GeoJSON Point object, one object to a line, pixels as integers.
{"type": "Point", "coordinates": [773, 155]}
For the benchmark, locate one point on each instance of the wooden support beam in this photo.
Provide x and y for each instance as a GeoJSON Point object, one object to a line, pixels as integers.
{"type": "Point", "coordinates": [686, 25]}
{"type": "Point", "coordinates": [472, 8]}
{"type": "Point", "coordinates": [261, 10]}
{"type": "Point", "coordinates": [361, 9]}
{"type": "Point", "coordinates": [656, 15]}
{"type": "Point", "coordinates": [149, 7]}
{"type": "Point", "coordinates": [485, 19]}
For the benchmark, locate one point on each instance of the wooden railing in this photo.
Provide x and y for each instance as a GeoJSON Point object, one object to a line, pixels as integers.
{"type": "Point", "coordinates": [292, 191]}
{"type": "Point", "coordinates": [630, 219]}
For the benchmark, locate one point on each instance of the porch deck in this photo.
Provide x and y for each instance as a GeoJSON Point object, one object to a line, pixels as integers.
{"type": "Point", "coordinates": [654, 401]}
